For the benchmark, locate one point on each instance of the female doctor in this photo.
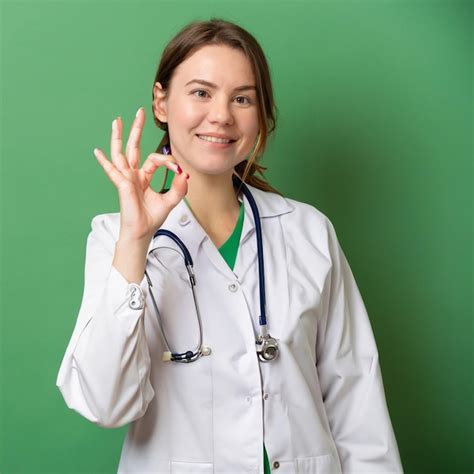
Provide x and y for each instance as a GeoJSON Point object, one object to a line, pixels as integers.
{"type": "Point", "coordinates": [220, 318]}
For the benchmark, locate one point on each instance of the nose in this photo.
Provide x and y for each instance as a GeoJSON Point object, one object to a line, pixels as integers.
{"type": "Point", "coordinates": [220, 111]}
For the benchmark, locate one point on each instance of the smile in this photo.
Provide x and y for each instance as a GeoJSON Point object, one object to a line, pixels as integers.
{"type": "Point", "coordinates": [215, 139]}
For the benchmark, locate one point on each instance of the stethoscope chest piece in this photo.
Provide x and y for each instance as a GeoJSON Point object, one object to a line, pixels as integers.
{"type": "Point", "coordinates": [188, 356]}
{"type": "Point", "coordinates": [267, 348]}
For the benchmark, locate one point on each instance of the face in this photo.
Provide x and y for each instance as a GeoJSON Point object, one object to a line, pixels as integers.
{"type": "Point", "coordinates": [221, 106]}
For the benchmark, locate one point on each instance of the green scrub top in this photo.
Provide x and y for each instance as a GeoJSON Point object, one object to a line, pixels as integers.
{"type": "Point", "coordinates": [229, 250]}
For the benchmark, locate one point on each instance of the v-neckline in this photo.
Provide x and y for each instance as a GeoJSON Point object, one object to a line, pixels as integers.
{"type": "Point", "coordinates": [237, 227]}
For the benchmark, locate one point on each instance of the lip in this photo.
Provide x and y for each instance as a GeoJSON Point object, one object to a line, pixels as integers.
{"type": "Point", "coordinates": [213, 144]}
{"type": "Point", "coordinates": [217, 135]}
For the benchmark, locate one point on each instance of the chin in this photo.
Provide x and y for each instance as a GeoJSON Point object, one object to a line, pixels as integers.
{"type": "Point", "coordinates": [211, 164]}
{"type": "Point", "coordinates": [216, 172]}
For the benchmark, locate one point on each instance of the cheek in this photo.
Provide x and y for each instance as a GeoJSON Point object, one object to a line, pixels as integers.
{"type": "Point", "coordinates": [250, 122]}
{"type": "Point", "coordinates": [185, 114]}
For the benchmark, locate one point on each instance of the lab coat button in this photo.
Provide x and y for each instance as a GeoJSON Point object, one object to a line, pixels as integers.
{"type": "Point", "coordinates": [276, 464]}
{"type": "Point", "coordinates": [249, 399]}
{"type": "Point", "coordinates": [137, 299]}
{"type": "Point", "coordinates": [183, 220]}
{"type": "Point", "coordinates": [265, 396]}
{"type": "Point", "coordinates": [233, 287]}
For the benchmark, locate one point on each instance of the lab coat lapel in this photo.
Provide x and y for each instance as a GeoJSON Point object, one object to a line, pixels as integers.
{"type": "Point", "coordinates": [181, 222]}
{"type": "Point", "coordinates": [269, 205]}
{"type": "Point", "coordinates": [247, 253]}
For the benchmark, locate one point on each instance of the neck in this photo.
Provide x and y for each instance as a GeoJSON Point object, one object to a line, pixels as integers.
{"type": "Point", "coordinates": [213, 199]}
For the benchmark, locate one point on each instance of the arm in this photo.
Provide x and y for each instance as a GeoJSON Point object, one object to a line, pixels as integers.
{"type": "Point", "coordinates": [350, 376]}
{"type": "Point", "coordinates": [104, 374]}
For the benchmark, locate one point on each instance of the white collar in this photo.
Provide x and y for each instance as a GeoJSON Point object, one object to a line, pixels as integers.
{"type": "Point", "coordinates": [182, 222]}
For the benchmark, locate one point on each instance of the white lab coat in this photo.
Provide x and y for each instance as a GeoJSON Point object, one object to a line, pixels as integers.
{"type": "Point", "coordinates": [319, 407]}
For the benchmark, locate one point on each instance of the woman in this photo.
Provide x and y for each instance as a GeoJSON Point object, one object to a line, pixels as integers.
{"type": "Point", "coordinates": [315, 402]}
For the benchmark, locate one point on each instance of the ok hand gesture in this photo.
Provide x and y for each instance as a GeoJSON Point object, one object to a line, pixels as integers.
{"type": "Point", "coordinates": [142, 210]}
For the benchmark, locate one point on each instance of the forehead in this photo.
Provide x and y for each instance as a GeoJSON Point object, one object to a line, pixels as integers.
{"type": "Point", "coordinates": [219, 64]}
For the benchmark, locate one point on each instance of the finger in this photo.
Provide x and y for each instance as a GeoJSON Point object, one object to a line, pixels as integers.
{"type": "Point", "coordinates": [155, 160]}
{"type": "Point", "coordinates": [132, 150]}
{"type": "Point", "coordinates": [112, 172]}
{"type": "Point", "coordinates": [116, 145]}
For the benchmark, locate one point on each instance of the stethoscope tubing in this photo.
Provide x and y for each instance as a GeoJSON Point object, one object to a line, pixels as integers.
{"type": "Point", "coordinates": [188, 356]}
{"type": "Point", "coordinates": [261, 266]}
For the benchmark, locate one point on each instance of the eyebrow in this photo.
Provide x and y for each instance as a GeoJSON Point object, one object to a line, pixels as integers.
{"type": "Point", "coordinates": [210, 84]}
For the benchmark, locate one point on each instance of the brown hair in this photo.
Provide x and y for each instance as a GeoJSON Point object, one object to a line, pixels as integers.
{"type": "Point", "coordinates": [216, 32]}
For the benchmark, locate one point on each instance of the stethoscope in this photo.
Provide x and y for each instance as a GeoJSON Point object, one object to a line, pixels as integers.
{"type": "Point", "coordinates": [266, 346]}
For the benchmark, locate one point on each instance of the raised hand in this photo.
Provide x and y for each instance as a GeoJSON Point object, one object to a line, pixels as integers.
{"type": "Point", "coordinates": [142, 210]}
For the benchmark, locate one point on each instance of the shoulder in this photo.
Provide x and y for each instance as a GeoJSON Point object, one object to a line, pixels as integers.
{"type": "Point", "coordinates": [305, 223]}
{"type": "Point", "coordinates": [304, 211]}
{"type": "Point", "coordinates": [305, 216]}
{"type": "Point", "coordinates": [299, 219]}
{"type": "Point", "coordinates": [305, 228]}
{"type": "Point", "coordinates": [290, 210]}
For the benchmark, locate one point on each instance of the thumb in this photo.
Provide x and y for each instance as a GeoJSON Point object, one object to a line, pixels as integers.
{"type": "Point", "coordinates": [178, 189]}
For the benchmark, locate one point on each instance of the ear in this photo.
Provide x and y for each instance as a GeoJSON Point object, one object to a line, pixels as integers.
{"type": "Point", "coordinates": [160, 103]}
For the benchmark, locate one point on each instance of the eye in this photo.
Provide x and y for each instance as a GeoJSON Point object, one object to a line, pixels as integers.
{"type": "Point", "coordinates": [244, 97]}
{"type": "Point", "coordinates": [246, 100]}
{"type": "Point", "coordinates": [199, 90]}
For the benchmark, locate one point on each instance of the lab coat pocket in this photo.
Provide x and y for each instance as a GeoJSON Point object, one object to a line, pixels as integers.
{"type": "Point", "coordinates": [325, 464]}
{"type": "Point", "coordinates": [181, 467]}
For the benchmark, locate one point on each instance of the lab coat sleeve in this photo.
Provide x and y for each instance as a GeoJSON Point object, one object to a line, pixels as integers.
{"type": "Point", "coordinates": [104, 374]}
{"type": "Point", "coordinates": [350, 375]}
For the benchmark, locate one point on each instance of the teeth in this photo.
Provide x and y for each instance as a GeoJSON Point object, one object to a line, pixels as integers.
{"type": "Point", "coordinates": [213, 139]}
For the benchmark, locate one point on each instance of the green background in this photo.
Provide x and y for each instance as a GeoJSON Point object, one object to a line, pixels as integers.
{"type": "Point", "coordinates": [375, 130]}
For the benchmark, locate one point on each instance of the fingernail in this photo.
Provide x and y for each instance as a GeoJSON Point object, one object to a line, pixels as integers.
{"type": "Point", "coordinates": [136, 115]}
{"type": "Point", "coordinates": [114, 124]}
{"type": "Point", "coordinates": [179, 169]}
